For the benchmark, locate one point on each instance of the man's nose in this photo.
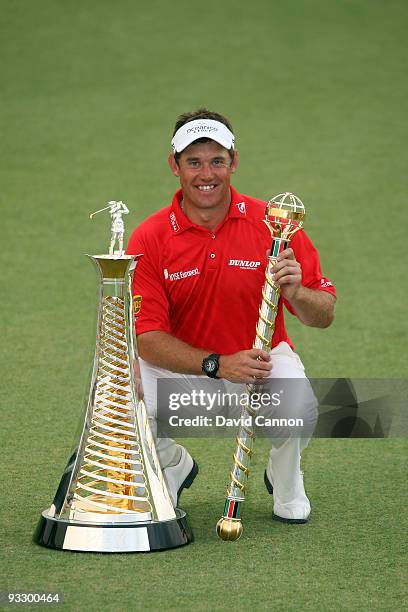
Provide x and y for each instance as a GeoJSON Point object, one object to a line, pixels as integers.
{"type": "Point", "coordinates": [206, 170]}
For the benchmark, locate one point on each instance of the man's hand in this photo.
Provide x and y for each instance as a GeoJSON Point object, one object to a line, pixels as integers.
{"type": "Point", "coordinates": [312, 306]}
{"type": "Point", "coordinates": [287, 274]}
{"type": "Point", "coordinates": [245, 367]}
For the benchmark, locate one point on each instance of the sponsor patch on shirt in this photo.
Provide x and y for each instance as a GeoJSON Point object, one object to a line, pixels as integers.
{"type": "Point", "coordinates": [174, 223]}
{"type": "Point", "coordinates": [244, 264]}
{"type": "Point", "coordinates": [325, 282]}
{"type": "Point", "coordinates": [241, 207]}
{"type": "Point", "coordinates": [181, 274]}
{"type": "Point", "coordinates": [137, 304]}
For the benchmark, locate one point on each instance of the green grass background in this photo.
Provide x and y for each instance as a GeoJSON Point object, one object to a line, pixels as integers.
{"type": "Point", "coordinates": [316, 92]}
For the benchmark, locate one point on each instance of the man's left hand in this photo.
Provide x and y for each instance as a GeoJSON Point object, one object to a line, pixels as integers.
{"type": "Point", "coordinates": [287, 274]}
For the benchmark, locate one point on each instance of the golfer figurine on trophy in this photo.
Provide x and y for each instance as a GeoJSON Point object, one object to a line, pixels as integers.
{"type": "Point", "coordinates": [117, 209]}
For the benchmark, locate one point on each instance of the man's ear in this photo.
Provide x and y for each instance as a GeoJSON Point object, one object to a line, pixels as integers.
{"type": "Point", "coordinates": [234, 162]}
{"type": "Point", "coordinates": [173, 165]}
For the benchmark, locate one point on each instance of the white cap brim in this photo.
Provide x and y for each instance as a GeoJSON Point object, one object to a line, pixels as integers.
{"type": "Point", "coordinates": [202, 128]}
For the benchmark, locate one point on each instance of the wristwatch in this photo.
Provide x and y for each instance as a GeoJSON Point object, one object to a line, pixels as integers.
{"type": "Point", "coordinates": [210, 365]}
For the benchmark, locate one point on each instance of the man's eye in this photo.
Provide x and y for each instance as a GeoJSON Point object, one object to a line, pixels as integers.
{"type": "Point", "coordinates": [193, 164]}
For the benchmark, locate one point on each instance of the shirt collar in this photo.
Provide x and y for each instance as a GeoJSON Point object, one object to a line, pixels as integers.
{"type": "Point", "coordinates": [180, 222]}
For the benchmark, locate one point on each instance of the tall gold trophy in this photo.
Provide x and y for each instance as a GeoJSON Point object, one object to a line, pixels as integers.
{"type": "Point", "coordinates": [112, 496]}
{"type": "Point", "coordinates": [284, 217]}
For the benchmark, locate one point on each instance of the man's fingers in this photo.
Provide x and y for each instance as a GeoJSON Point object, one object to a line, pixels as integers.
{"type": "Point", "coordinates": [260, 373]}
{"type": "Point", "coordinates": [286, 254]}
{"type": "Point", "coordinates": [259, 354]}
{"type": "Point", "coordinates": [254, 380]}
{"type": "Point", "coordinates": [258, 365]}
{"type": "Point", "coordinates": [291, 264]}
{"type": "Point", "coordinates": [281, 272]}
{"type": "Point", "coordinates": [287, 279]}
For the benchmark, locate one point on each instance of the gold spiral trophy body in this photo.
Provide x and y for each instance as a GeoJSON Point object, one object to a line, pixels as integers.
{"type": "Point", "coordinates": [112, 496]}
{"type": "Point", "coordinates": [284, 217]}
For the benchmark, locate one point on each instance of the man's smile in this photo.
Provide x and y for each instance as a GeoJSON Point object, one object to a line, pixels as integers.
{"type": "Point", "coordinates": [206, 187]}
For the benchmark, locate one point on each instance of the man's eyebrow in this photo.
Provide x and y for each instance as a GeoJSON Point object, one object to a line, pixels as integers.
{"type": "Point", "coordinates": [216, 157]}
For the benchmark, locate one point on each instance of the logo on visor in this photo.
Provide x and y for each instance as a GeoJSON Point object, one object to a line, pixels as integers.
{"type": "Point", "coordinates": [198, 129]}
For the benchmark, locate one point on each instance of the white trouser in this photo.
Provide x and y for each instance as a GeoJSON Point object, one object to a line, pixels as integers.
{"type": "Point", "coordinates": [285, 449]}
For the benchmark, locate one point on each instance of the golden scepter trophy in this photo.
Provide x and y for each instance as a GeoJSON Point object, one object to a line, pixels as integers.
{"type": "Point", "coordinates": [284, 217]}
{"type": "Point", "coordinates": [112, 496]}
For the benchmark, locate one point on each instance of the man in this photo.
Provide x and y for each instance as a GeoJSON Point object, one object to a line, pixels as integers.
{"type": "Point", "coordinates": [199, 285]}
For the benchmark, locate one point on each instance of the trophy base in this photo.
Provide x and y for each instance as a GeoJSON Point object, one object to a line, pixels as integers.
{"type": "Point", "coordinates": [63, 534]}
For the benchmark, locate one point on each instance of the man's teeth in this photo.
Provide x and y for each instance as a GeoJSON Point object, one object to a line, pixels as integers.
{"type": "Point", "coordinates": [206, 187]}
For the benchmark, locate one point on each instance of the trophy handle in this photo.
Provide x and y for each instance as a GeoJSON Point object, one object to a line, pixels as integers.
{"type": "Point", "coordinates": [284, 217]}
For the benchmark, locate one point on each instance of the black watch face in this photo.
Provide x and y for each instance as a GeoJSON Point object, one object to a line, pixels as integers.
{"type": "Point", "coordinates": [211, 365]}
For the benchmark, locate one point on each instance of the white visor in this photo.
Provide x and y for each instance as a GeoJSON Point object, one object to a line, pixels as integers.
{"type": "Point", "coordinates": [202, 128]}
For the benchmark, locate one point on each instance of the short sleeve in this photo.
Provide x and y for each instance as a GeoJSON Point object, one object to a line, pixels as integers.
{"type": "Point", "coordinates": [308, 257]}
{"type": "Point", "coordinates": [149, 295]}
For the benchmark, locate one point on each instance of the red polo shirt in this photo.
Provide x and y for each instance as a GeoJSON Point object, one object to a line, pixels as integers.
{"type": "Point", "coordinates": [205, 288]}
